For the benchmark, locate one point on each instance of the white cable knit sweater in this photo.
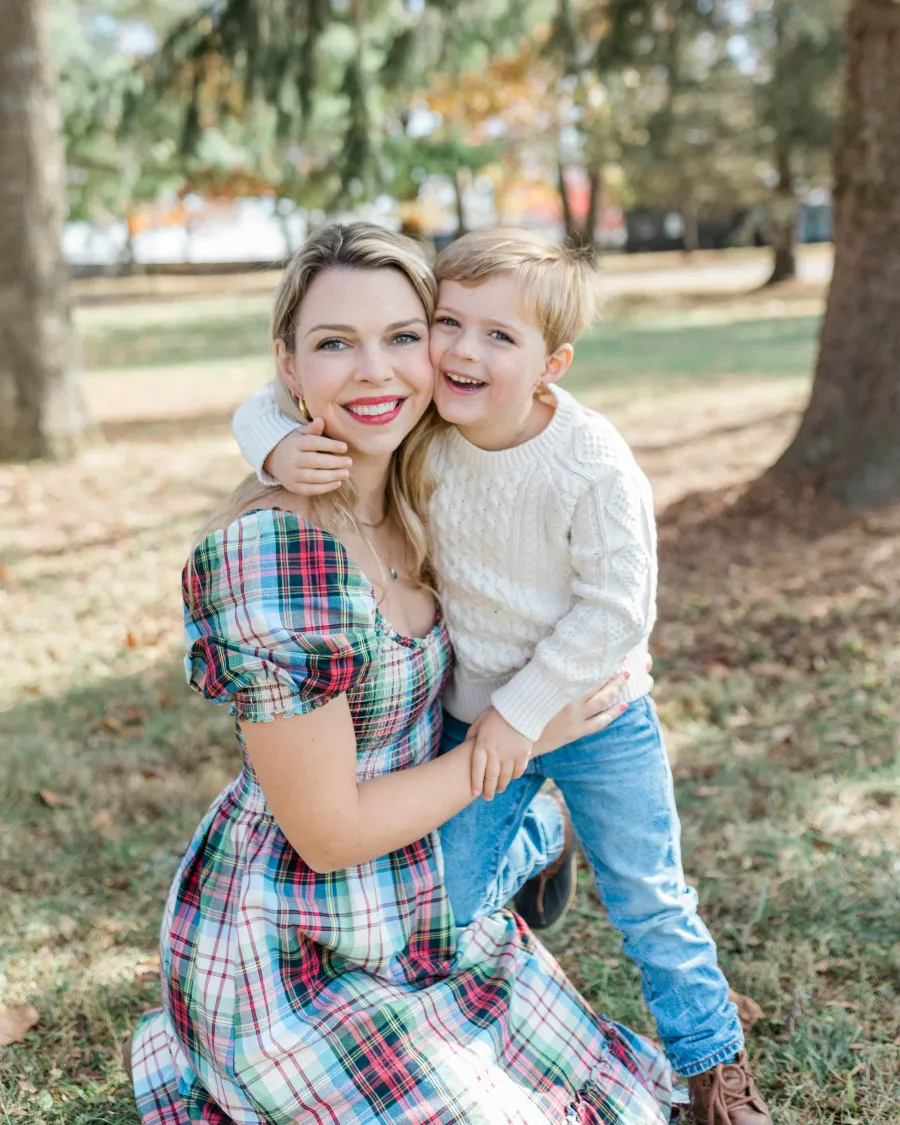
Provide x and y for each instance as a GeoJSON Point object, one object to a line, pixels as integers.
{"type": "Point", "coordinates": [545, 556]}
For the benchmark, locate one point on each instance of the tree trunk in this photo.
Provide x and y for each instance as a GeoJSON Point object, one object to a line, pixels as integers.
{"type": "Point", "coordinates": [41, 412]}
{"type": "Point", "coordinates": [595, 202]}
{"type": "Point", "coordinates": [784, 222]}
{"type": "Point", "coordinates": [848, 442]}
{"type": "Point", "coordinates": [461, 181]}
{"type": "Point", "coordinates": [568, 221]}
{"type": "Point", "coordinates": [691, 227]}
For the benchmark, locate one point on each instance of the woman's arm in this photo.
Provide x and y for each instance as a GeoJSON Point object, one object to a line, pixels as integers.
{"type": "Point", "coordinates": [306, 766]}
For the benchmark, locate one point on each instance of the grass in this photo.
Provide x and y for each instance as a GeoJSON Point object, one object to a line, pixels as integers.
{"type": "Point", "coordinates": [779, 681]}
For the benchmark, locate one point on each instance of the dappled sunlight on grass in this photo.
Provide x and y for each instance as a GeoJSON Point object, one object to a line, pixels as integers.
{"type": "Point", "coordinates": [778, 680]}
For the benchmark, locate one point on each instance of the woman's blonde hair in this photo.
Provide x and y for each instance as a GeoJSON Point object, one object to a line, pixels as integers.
{"type": "Point", "coordinates": [558, 285]}
{"type": "Point", "coordinates": [360, 246]}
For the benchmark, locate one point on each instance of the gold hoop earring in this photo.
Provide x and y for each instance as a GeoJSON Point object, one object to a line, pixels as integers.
{"type": "Point", "coordinates": [301, 406]}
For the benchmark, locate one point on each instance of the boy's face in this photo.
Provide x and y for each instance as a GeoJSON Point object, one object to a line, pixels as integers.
{"type": "Point", "coordinates": [489, 356]}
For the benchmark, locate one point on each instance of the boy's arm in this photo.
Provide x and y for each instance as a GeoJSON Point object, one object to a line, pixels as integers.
{"type": "Point", "coordinates": [258, 426]}
{"type": "Point", "coordinates": [613, 551]}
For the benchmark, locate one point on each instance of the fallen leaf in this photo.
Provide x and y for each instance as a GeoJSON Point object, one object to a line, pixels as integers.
{"type": "Point", "coordinates": [108, 722]}
{"type": "Point", "coordinates": [771, 671]}
{"type": "Point", "coordinates": [15, 1023]}
{"type": "Point", "coordinates": [718, 670]}
{"type": "Point", "coordinates": [103, 819]}
{"type": "Point", "coordinates": [133, 715]}
{"type": "Point", "coordinates": [749, 1012]}
{"type": "Point", "coordinates": [782, 733]}
{"type": "Point", "coordinates": [153, 773]}
{"type": "Point", "coordinates": [149, 970]}
{"type": "Point", "coordinates": [56, 800]}
{"type": "Point", "coordinates": [130, 640]}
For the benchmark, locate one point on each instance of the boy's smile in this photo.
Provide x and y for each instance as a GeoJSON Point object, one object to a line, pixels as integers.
{"type": "Point", "coordinates": [489, 357]}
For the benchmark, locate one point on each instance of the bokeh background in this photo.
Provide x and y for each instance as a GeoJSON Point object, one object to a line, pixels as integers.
{"type": "Point", "coordinates": [160, 159]}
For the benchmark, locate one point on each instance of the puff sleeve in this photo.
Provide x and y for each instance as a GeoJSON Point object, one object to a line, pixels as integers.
{"type": "Point", "coordinates": [278, 620]}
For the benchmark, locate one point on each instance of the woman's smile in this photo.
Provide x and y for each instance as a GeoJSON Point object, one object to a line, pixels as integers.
{"type": "Point", "coordinates": [375, 411]}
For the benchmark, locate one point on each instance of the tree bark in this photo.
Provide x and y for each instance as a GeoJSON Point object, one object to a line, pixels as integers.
{"type": "Point", "coordinates": [595, 204]}
{"type": "Point", "coordinates": [568, 221]}
{"type": "Point", "coordinates": [581, 236]}
{"type": "Point", "coordinates": [848, 442]}
{"type": "Point", "coordinates": [691, 222]}
{"type": "Point", "coordinates": [460, 182]}
{"type": "Point", "coordinates": [41, 413]}
{"type": "Point", "coordinates": [784, 222]}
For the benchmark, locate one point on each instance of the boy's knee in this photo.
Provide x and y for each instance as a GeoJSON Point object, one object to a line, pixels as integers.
{"type": "Point", "coordinates": [647, 909]}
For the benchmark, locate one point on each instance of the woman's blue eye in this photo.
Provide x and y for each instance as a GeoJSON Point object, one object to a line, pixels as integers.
{"type": "Point", "coordinates": [332, 344]}
{"type": "Point", "coordinates": [405, 338]}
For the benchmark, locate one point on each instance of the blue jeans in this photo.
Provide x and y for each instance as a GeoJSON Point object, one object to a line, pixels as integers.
{"type": "Point", "coordinates": [618, 788]}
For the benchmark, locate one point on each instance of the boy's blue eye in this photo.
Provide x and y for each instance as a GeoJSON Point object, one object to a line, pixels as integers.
{"type": "Point", "coordinates": [502, 336]}
{"type": "Point", "coordinates": [448, 321]}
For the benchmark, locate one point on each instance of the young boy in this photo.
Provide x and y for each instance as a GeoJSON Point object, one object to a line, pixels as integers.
{"type": "Point", "coordinates": [543, 542]}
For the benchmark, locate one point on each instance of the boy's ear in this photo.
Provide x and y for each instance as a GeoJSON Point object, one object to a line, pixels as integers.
{"type": "Point", "coordinates": [558, 364]}
{"type": "Point", "coordinates": [284, 361]}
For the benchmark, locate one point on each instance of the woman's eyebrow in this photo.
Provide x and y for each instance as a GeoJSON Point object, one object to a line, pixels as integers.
{"type": "Point", "coordinates": [350, 328]}
{"type": "Point", "coordinates": [331, 328]}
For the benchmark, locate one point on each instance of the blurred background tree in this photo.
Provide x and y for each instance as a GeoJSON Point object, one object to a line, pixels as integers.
{"type": "Point", "coordinates": [41, 412]}
{"type": "Point", "coordinates": [848, 443]}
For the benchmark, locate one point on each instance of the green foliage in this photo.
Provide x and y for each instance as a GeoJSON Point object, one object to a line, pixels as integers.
{"type": "Point", "coordinates": [336, 79]}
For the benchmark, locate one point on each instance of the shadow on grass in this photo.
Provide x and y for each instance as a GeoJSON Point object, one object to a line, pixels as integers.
{"type": "Point", "coordinates": [179, 342]}
{"type": "Point", "coordinates": [765, 346]}
{"type": "Point", "coordinates": [776, 671]}
{"type": "Point", "coordinates": [128, 767]}
{"type": "Point", "coordinates": [183, 428]}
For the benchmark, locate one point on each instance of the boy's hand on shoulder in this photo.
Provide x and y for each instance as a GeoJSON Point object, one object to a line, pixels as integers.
{"type": "Point", "coordinates": [308, 463]}
{"type": "Point", "coordinates": [500, 755]}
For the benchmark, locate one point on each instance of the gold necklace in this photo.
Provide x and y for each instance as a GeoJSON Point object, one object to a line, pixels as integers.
{"type": "Point", "coordinates": [392, 570]}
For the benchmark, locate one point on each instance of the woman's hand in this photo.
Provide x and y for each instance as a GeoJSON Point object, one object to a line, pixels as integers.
{"type": "Point", "coordinates": [307, 463]}
{"type": "Point", "coordinates": [588, 715]}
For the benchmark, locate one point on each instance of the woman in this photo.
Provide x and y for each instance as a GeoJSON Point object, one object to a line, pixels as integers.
{"type": "Point", "coordinates": [312, 970]}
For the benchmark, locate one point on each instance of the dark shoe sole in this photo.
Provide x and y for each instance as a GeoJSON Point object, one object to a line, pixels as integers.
{"type": "Point", "coordinates": [559, 894]}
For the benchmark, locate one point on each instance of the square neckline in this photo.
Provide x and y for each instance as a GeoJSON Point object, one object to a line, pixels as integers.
{"type": "Point", "coordinates": [384, 626]}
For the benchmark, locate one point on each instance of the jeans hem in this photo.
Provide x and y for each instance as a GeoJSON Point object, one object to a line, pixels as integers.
{"type": "Point", "coordinates": [723, 1054]}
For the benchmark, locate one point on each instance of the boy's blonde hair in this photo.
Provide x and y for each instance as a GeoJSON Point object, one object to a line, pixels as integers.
{"type": "Point", "coordinates": [558, 285]}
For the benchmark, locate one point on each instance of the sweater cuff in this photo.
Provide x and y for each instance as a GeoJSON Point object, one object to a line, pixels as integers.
{"type": "Point", "coordinates": [529, 701]}
{"type": "Point", "coordinates": [269, 431]}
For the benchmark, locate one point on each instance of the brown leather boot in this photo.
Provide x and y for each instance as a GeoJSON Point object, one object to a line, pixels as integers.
{"type": "Point", "coordinates": [727, 1095]}
{"type": "Point", "coordinates": [544, 899]}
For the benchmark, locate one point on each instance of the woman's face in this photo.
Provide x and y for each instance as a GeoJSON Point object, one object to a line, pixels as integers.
{"type": "Point", "coordinates": [361, 357]}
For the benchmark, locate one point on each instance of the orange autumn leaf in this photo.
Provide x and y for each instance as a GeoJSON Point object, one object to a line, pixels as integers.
{"type": "Point", "coordinates": [55, 800]}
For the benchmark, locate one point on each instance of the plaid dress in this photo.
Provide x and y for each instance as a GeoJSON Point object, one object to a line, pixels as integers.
{"type": "Point", "coordinates": [350, 998]}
